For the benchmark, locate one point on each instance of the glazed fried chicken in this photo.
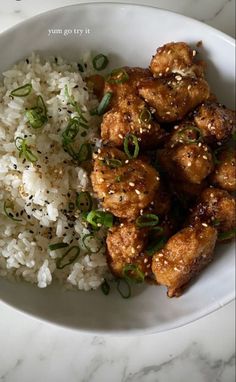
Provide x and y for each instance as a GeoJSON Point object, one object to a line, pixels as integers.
{"type": "Point", "coordinates": [125, 245]}
{"type": "Point", "coordinates": [185, 255]}
{"type": "Point", "coordinates": [173, 97]}
{"type": "Point", "coordinates": [124, 186]}
{"type": "Point", "coordinates": [224, 175]}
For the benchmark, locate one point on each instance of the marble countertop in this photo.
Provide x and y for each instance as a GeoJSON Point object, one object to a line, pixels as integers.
{"type": "Point", "coordinates": [203, 351]}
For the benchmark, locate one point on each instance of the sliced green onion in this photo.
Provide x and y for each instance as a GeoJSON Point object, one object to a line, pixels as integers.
{"type": "Point", "coordinates": [227, 235]}
{"type": "Point", "coordinates": [68, 258]}
{"type": "Point", "coordinates": [123, 288]}
{"type": "Point", "coordinates": [55, 246]}
{"type": "Point", "coordinates": [9, 205]}
{"type": "Point", "coordinates": [84, 201]}
{"type": "Point", "coordinates": [106, 99]}
{"type": "Point", "coordinates": [100, 218]}
{"type": "Point", "coordinates": [84, 153]}
{"type": "Point", "coordinates": [71, 131]}
{"type": "Point", "coordinates": [117, 76]}
{"type": "Point", "coordinates": [118, 179]}
{"type": "Point", "coordinates": [100, 62]}
{"type": "Point", "coordinates": [112, 162]}
{"type": "Point", "coordinates": [105, 287]}
{"type": "Point", "coordinates": [132, 272]}
{"type": "Point", "coordinates": [37, 116]}
{"type": "Point", "coordinates": [72, 102]}
{"type": "Point", "coordinates": [190, 129]}
{"type": "Point", "coordinates": [147, 220]}
{"type": "Point", "coordinates": [155, 245]}
{"type": "Point", "coordinates": [145, 116]}
{"type": "Point", "coordinates": [24, 150]}
{"type": "Point", "coordinates": [90, 242]}
{"type": "Point", "coordinates": [22, 91]}
{"type": "Point", "coordinates": [131, 138]}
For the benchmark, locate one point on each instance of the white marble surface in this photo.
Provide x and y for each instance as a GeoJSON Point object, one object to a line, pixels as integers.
{"type": "Point", "coordinates": [201, 352]}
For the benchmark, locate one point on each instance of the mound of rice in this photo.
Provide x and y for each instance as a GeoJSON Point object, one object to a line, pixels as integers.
{"type": "Point", "coordinates": [41, 191]}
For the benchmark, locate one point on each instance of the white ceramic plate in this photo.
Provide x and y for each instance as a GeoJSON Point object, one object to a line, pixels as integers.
{"type": "Point", "coordinates": [130, 35]}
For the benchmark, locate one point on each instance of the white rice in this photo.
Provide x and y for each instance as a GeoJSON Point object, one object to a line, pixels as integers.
{"type": "Point", "coordinates": [41, 191]}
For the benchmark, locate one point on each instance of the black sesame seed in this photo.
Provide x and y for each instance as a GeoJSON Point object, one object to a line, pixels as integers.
{"type": "Point", "coordinates": [15, 166]}
{"type": "Point", "coordinates": [31, 231]}
{"type": "Point", "coordinates": [31, 197]}
{"type": "Point", "coordinates": [27, 61]}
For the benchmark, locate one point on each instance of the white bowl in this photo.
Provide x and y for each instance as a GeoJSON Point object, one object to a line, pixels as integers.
{"type": "Point", "coordinates": [130, 35]}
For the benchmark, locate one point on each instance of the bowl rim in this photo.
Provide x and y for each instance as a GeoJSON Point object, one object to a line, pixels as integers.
{"type": "Point", "coordinates": [191, 318]}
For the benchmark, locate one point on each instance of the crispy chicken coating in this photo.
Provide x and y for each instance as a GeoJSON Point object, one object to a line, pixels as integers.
{"type": "Point", "coordinates": [224, 175]}
{"type": "Point", "coordinates": [215, 121]}
{"type": "Point", "coordinates": [173, 97]}
{"type": "Point", "coordinates": [128, 87]}
{"type": "Point", "coordinates": [215, 207]}
{"type": "Point", "coordinates": [124, 186]}
{"type": "Point", "coordinates": [161, 204]}
{"type": "Point", "coordinates": [131, 116]}
{"type": "Point", "coordinates": [125, 245]}
{"type": "Point", "coordinates": [187, 162]}
{"type": "Point", "coordinates": [185, 254]}
{"type": "Point", "coordinates": [175, 58]}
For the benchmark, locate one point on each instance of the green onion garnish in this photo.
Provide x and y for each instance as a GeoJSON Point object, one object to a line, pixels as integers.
{"type": "Point", "coordinates": [84, 153]}
{"type": "Point", "coordinates": [100, 218]}
{"type": "Point", "coordinates": [155, 245]}
{"type": "Point", "coordinates": [24, 150]}
{"type": "Point", "coordinates": [37, 116]}
{"type": "Point", "coordinates": [90, 242]}
{"type": "Point", "coordinates": [22, 91]}
{"type": "Point", "coordinates": [145, 116]}
{"type": "Point", "coordinates": [71, 131]}
{"type": "Point", "coordinates": [55, 246]}
{"type": "Point", "coordinates": [132, 272]}
{"type": "Point", "coordinates": [112, 162]}
{"type": "Point", "coordinates": [131, 139]}
{"type": "Point", "coordinates": [123, 288]}
{"type": "Point", "coordinates": [9, 205]}
{"type": "Point", "coordinates": [84, 201]}
{"type": "Point", "coordinates": [190, 129]}
{"type": "Point", "coordinates": [72, 102]}
{"type": "Point", "coordinates": [100, 62]}
{"type": "Point", "coordinates": [117, 76]}
{"type": "Point", "coordinates": [147, 220]}
{"type": "Point", "coordinates": [68, 258]}
{"type": "Point", "coordinates": [102, 107]}
{"type": "Point", "coordinates": [227, 235]}
{"type": "Point", "coordinates": [105, 287]}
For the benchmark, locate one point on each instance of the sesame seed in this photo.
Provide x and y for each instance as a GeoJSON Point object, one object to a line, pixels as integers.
{"type": "Point", "coordinates": [169, 52]}
{"type": "Point", "coordinates": [167, 69]}
{"type": "Point", "coordinates": [189, 87]}
{"type": "Point", "coordinates": [176, 269]}
{"type": "Point", "coordinates": [137, 192]}
{"type": "Point", "coordinates": [127, 161]}
{"type": "Point", "coordinates": [145, 261]}
{"type": "Point", "coordinates": [189, 164]}
{"type": "Point", "coordinates": [204, 225]}
{"type": "Point", "coordinates": [131, 184]}
{"type": "Point", "coordinates": [120, 136]}
{"type": "Point", "coordinates": [204, 157]}
{"type": "Point", "coordinates": [132, 250]}
{"type": "Point", "coordinates": [168, 112]}
{"type": "Point", "coordinates": [157, 178]}
{"type": "Point", "coordinates": [178, 78]}
{"type": "Point", "coordinates": [194, 52]}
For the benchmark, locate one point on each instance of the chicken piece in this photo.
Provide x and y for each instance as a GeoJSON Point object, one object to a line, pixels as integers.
{"type": "Point", "coordinates": [185, 254]}
{"type": "Point", "coordinates": [191, 163]}
{"type": "Point", "coordinates": [215, 207]}
{"type": "Point", "coordinates": [96, 83]}
{"type": "Point", "coordinates": [161, 204]}
{"type": "Point", "coordinates": [224, 175]}
{"type": "Point", "coordinates": [125, 245]}
{"type": "Point", "coordinates": [185, 132]}
{"type": "Point", "coordinates": [131, 117]}
{"type": "Point", "coordinates": [173, 97]}
{"type": "Point", "coordinates": [124, 186]}
{"type": "Point", "coordinates": [128, 87]}
{"type": "Point", "coordinates": [175, 57]}
{"type": "Point", "coordinates": [215, 121]}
